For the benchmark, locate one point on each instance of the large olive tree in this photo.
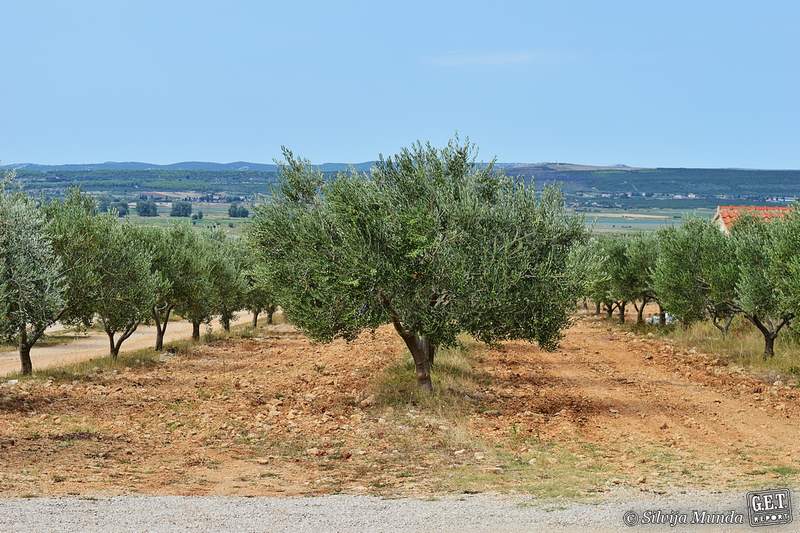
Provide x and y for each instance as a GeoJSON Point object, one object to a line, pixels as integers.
{"type": "Point", "coordinates": [428, 241]}
{"type": "Point", "coordinates": [32, 283]}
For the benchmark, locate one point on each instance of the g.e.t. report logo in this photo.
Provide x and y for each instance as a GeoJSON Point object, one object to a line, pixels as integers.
{"type": "Point", "coordinates": [769, 507]}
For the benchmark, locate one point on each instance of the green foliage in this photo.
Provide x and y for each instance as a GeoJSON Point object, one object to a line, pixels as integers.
{"type": "Point", "coordinates": [120, 208]}
{"type": "Point", "coordinates": [181, 209]}
{"type": "Point", "coordinates": [32, 283]}
{"type": "Point", "coordinates": [427, 240]}
{"type": "Point", "coordinates": [72, 230]}
{"type": "Point", "coordinates": [127, 286]}
{"type": "Point", "coordinates": [238, 211]}
{"type": "Point", "coordinates": [696, 272]}
{"type": "Point", "coordinates": [146, 208]}
{"type": "Point", "coordinates": [761, 288]}
{"type": "Point", "coordinates": [259, 295]}
{"type": "Point", "coordinates": [228, 276]}
{"type": "Point", "coordinates": [784, 264]}
{"type": "Point", "coordinates": [195, 302]}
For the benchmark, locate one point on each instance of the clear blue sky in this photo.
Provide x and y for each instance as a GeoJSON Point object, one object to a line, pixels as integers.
{"type": "Point", "coordinates": [674, 84]}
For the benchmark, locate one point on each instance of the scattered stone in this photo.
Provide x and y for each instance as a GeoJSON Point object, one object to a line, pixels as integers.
{"type": "Point", "coordinates": [368, 401]}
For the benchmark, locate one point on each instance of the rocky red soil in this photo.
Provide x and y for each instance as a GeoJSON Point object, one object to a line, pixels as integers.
{"type": "Point", "coordinates": [275, 414]}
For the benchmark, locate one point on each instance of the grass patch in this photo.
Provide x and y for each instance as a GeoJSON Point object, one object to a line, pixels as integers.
{"type": "Point", "coordinates": [84, 370]}
{"type": "Point", "coordinates": [455, 382]}
{"type": "Point", "coordinates": [545, 470]}
{"type": "Point", "coordinates": [743, 345]}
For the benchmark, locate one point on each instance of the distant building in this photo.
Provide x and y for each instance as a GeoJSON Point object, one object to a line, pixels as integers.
{"type": "Point", "coordinates": [726, 215]}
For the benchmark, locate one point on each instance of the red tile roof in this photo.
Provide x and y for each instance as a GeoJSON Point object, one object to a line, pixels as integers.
{"type": "Point", "coordinates": [727, 214]}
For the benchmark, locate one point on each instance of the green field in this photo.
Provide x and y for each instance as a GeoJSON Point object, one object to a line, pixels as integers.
{"type": "Point", "coordinates": [599, 220]}
{"type": "Point", "coordinates": [213, 214]}
{"type": "Point", "coordinates": [625, 221]}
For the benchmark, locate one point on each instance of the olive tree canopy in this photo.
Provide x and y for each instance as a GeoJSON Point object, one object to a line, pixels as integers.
{"type": "Point", "coordinates": [429, 241]}
{"type": "Point", "coordinates": [32, 283]}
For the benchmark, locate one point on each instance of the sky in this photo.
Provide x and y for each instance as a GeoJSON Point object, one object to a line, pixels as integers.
{"type": "Point", "coordinates": [672, 83]}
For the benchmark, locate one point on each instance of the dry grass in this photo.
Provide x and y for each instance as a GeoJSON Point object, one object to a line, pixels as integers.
{"type": "Point", "coordinates": [743, 345]}
{"type": "Point", "coordinates": [517, 462]}
{"type": "Point", "coordinates": [454, 377]}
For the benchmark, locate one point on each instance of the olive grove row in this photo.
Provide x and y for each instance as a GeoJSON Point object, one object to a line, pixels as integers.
{"type": "Point", "coordinates": [63, 261]}
{"type": "Point", "coordinates": [429, 241]}
{"type": "Point", "coordinates": [696, 272]}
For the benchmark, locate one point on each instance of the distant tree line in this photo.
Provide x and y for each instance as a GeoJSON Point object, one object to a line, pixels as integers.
{"type": "Point", "coordinates": [695, 272]}
{"type": "Point", "coordinates": [66, 261]}
{"type": "Point", "coordinates": [238, 211]}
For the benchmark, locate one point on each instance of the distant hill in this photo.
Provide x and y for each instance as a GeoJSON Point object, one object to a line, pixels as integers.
{"type": "Point", "coordinates": [135, 165]}
{"type": "Point", "coordinates": [236, 166]}
{"type": "Point", "coordinates": [613, 186]}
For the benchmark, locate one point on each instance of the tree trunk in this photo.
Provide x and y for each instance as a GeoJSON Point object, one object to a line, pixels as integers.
{"type": "Point", "coordinates": [609, 311]}
{"type": "Point", "coordinates": [769, 346]}
{"type": "Point", "coordinates": [226, 323]}
{"type": "Point", "coordinates": [270, 312]}
{"type": "Point", "coordinates": [662, 316]}
{"type": "Point", "coordinates": [597, 308]}
{"type": "Point", "coordinates": [621, 309]}
{"type": "Point", "coordinates": [159, 340]}
{"type": "Point", "coordinates": [161, 326]}
{"type": "Point", "coordinates": [640, 313]}
{"type": "Point", "coordinates": [113, 348]}
{"type": "Point", "coordinates": [255, 319]}
{"type": "Point", "coordinates": [195, 330]}
{"type": "Point", "coordinates": [422, 350]}
{"type": "Point", "coordinates": [25, 359]}
{"type": "Point", "coordinates": [769, 335]}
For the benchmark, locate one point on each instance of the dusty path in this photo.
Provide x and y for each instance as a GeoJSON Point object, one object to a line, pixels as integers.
{"type": "Point", "coordinates": [95, 344]}
{"type": "Point", "coordinates": [674, 415]}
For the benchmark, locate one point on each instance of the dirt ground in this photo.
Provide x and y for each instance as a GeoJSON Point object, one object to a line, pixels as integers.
{"type": "Point", "coordinates": [277, 415]}
{"type": "Point", "coordinates": [95, 344]}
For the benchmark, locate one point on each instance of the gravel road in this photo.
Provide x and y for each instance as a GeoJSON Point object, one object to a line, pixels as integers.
{"type": "Point", "coordinates": [355, 513]}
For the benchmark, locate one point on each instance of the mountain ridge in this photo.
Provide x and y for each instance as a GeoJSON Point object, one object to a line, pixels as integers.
{"type": "Point", "coordinates": [333, 167]}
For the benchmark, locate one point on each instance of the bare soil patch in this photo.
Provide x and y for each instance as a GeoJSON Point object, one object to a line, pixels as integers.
{"type": "Point", "coordinates": [278, 415]}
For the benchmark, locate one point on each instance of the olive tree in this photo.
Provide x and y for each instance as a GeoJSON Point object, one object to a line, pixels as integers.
{"type": "Point", "coordinates": [696, 272]}
{"type": "Point", "coordinates": [32, 284]}
{"type": "Point", "coordinates": [196, 302]}
{"type": "Point", "coordinates": [758, 287]}
{"type": "Point", "coordinates": [127, 285]}
{"type": "Point", "coordinates": [173, 261]}
{"type": "Point", "coordinates": [641, 252]}
{"type": "Point", "coordinates": [72, 228]}
{"type": "Point", "coordinates": [259, 296]}
{"type": "Point", "coordinates": [428, 241]}
{"type": "Point", "coordinates": [228, 283]}
{"type": "Point", "coordinates": [608, 281]}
